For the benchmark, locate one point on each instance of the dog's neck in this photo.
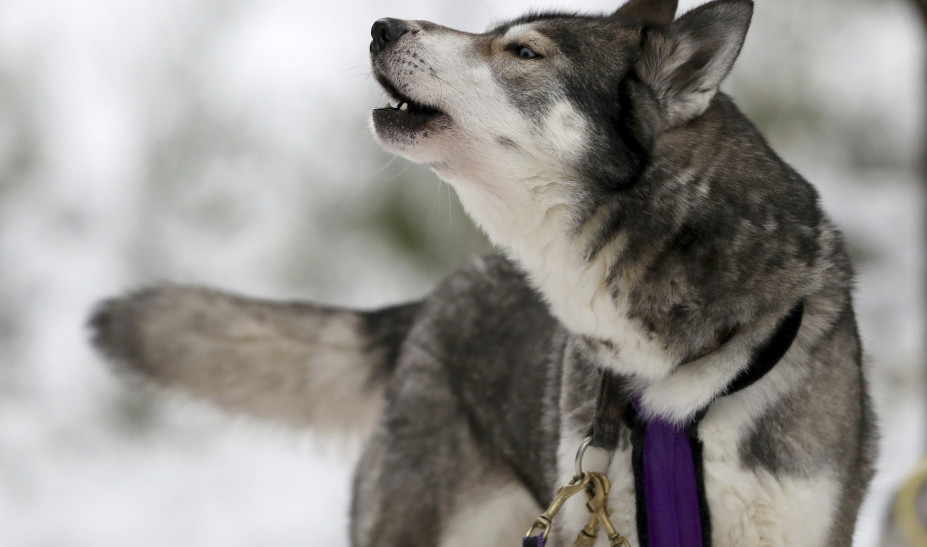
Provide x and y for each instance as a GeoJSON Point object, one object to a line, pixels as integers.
{"type": "Point", "coordinates": [537, 232]}
{"type": "Point", "coordinates": [535, 222]}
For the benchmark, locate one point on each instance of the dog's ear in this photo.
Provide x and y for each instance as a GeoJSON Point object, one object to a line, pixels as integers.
{"type": "Point", "coordinates": [685, 63]}
{"type": "Point", "coordinates": [648, 12]}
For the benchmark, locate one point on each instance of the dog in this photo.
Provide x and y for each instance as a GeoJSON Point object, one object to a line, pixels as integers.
{"type": "Point", "coordinates": [648, 231]}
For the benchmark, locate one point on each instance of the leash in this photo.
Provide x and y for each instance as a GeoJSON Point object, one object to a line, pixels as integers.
{"type": "Point", "coordinates": [596, 487]}
{"type": "Point", "coordinates": [672, 510]}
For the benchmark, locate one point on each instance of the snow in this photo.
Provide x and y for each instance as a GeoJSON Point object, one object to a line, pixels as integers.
{"type": "Point", "coordinates": [226, 144]}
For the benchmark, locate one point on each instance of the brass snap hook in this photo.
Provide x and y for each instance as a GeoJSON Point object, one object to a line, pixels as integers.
{"type": "Point", "coordinates": [543, 523]}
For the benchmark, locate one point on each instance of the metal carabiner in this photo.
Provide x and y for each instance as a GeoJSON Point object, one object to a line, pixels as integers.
{"type": "Point", "coordinates": [565, 492]}
{"type": "Point", "coordinates": [597, 504]}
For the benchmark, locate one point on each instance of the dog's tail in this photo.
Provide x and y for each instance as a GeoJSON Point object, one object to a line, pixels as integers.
{"type": "Point", "coordinates": [300, 364]}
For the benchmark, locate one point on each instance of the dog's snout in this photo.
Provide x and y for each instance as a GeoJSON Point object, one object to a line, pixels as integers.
{"type": "Point", "coordinates": [385, 31]}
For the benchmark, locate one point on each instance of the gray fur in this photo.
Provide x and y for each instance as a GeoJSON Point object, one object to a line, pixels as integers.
{"type": "Point", "coordinates": [648, 12]}
{"type": "Point", "coordinates": [257, 357]}
{"type": "Point", "coordinates": [704, 238]}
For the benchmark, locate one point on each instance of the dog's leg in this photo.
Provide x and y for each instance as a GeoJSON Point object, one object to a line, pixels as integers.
{"type": "Point", "coordinates": [429, 475]}
{"type": "Point", "coordinates": [299, 364]}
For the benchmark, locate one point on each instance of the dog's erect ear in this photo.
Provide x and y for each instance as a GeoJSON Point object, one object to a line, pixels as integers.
{"type": "Point", "coordinates": [648, 12]}
{"type": "Point", "coordinates": [685, 63]}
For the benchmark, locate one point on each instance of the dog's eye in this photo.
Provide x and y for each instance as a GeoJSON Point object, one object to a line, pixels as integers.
{"type": "Point", "coordinates": [524, 52]}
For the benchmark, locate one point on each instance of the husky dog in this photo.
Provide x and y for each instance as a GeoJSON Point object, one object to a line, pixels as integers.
{"type": "Point", "coordinates": [648, 230]}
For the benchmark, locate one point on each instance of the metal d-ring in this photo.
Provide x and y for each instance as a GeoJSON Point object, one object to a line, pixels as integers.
{"type": "Point", "coordinates": [581, 453]}
{"type": "Point", "coordinates": [587, 442]}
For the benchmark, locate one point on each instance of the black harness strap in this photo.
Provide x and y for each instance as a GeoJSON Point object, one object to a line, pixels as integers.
{"type": "Point", "coordinates": [609, 411]}
{"type": "Point", "coordinates": [766, 356]}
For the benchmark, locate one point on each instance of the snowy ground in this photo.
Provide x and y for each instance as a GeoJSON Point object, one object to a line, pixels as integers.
{"type": "Point", "coordinates": [224, 143]}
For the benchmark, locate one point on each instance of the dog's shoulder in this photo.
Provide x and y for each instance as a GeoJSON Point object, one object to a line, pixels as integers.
{"type": "Point", "coordinates": [489, 290]}
{"type": "Point", "coordinates": [484, 319]}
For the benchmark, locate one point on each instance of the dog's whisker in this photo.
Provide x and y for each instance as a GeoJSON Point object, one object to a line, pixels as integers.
{"type": "Point", "coordinates": [388, 163]}
{"type": "Point", "coordinates": [355, 67]}
{"type": "Point", "coordinates": [399, 174]}
{"type": "Point", "coordinates": [433, 73]}
{"type": "Point", "coordinates": [434, 202]}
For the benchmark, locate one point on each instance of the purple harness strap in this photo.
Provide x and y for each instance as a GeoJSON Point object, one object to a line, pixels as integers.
{"type": "Point", "coordinates": [665, 472]}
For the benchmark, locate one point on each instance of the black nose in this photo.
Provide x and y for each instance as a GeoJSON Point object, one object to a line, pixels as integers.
{"type": "Point", "coordinates": [385, 31]}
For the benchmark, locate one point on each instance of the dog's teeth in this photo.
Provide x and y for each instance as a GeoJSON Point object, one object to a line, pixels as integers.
{"type": "Point", "coordinates": [404, 106]}
{"type": "Point", "coordinates": [389, 105]}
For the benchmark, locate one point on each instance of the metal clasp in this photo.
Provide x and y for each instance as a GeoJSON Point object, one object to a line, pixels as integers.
{"type": "Point", "coordinates": [597, 504]}
{"type": "Point", "coordinates": [581, 454]}
{"type": "Point", "coordinates": [596, 487]}
{"type": "Point", "coordinates": [543, 523]}
{"type": "Point", "coordinates": [587, 442]}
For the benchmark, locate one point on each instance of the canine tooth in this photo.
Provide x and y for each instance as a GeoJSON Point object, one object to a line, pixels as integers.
{"type": "Point", "coordinates": [404, 106]}
{"type": "Point", "coordinates": [389, 104]}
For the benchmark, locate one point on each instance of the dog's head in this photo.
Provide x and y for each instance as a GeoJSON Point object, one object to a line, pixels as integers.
{"type": "Point", "coordinates": [570, 100]}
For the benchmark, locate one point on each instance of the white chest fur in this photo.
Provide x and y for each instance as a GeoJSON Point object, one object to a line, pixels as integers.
{"type": "Point", "coordinates": [536, 234]}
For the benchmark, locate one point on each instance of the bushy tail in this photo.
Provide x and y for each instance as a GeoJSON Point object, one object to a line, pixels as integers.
{"type": "Point", "coordinates": [296, 363]}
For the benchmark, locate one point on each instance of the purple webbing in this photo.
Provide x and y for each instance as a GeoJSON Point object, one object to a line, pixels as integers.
{"type": "Point", "coordinates": [535, 541]}
{"type": "Point", "coordinates": [670, 487]}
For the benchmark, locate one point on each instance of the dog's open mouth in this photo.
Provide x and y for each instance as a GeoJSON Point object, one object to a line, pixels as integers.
{"type": "Point", "coordinates": [408, 116]}
{"type": "Point", "coordinates": [411, 108]}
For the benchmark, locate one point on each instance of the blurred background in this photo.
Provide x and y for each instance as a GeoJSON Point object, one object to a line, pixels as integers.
{"type": "Point", "coordinates": [226, 143]}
